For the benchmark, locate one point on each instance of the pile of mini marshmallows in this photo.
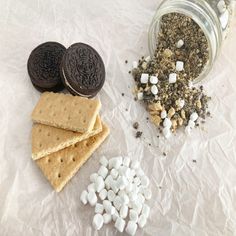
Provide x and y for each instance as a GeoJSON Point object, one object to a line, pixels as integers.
{"type": "Point", "coordinates": [122, 188]}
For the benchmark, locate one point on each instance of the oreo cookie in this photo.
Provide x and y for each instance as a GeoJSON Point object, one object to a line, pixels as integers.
{"type": "Point", "coordinates": [44, 67]}
{"type": "Point", "coordinates": [82, 70]}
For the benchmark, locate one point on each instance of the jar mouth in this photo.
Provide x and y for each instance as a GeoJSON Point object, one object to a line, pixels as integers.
{"type": "Point", "coordinates": [211, 29]}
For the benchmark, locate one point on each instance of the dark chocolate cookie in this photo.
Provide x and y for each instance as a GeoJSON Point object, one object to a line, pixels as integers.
{"type": "Point", "coordinates": [44, 66]}
{"type": "Point", "coordinates": [83, 70]}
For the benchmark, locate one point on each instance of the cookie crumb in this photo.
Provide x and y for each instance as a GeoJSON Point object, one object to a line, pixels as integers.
{"type": "Point", "coordinates": [136, 125]}
{"type": "Point", "coordinates": [130, 72]}
{"type": "Point", "coordinates": [139, 134]}
{"type": "Point", "coordinates": [194, 161]}
{"type": "Point", "coordinates": [122, 94]}
{"type": "Point", "coordinates": [164, 154]}
{"type": "Point", "coordinates": [126, 61]}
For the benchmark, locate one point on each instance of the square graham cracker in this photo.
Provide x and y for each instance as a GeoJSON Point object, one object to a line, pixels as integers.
{"type": "Point", "coordinates": [66, 111]}
{"type": "Point", "coordinates": [47, 139]}
{"type": "Point", "coordinates": [61, 166]}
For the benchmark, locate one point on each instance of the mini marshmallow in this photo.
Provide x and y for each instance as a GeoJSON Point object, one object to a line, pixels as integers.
{"type": "Point", "coordinates": [135, 64]}
{"type": "Point", "coordinates": [191, 124]}
{"type": "Point", "coordinates": [120, 224]}
{"type": "Point", "coordinates": [153, 79]}
{"type": "Point", "coordinates": [111, 195]}
{"type": "Point", "coordinates": [148, 194]}
{"type": "Point", "coordinates": [91, 187]}
{"type": "Point", "coordinates": [129, 188]}
{"type": "Point", "coordinates": [84, 197]}
{"type": "Point", "coordinates": [107, 218]}
{"type": "Point", "coordinates": [124, 211]}
{"type": "Point", "coordinates": [135, 188]}
{"type": "Point", "coordinates": [181, 103]}
{"type": "Point", "coordinates": [135, 165]}
{"type": "Point", "coordinates": [115, 215]}
{"type": "Point", "coordinates": [108, 207]}
{"type": "Point", "coordinates": [131, 228]}
{"type": "Point", "coordinates": [93, 177]}
{"type": "Point", "coordinates": [154, 90]}
{"type": "Point", "coordinates": [122, 170]}
{"type": "Point", "coordinates": [180, 43]}
{"type": "Point", "coordinates": [179, 66]}
{"type": "Point", "coordinates": [103, 161]}
{"type": "Point", "coordinates": [103, 194]}
{"type": "Point", "coordinates": [114, 173]}
{"type": "Point", "coordinates": [133, 196]}
{"type": "Point", "coordinates": [126, 161]}
{"type": "Point", "coordinates": [99, 184]}
{"type": "Point", "coordinates": [140, 96]}
{"type": "Point", "coordinates": [146, 210]}
{"type": "Point", "coordinates": [133, 215]}
{"type": "Point", "coordinates": [98, 221]}
{"type": "Point", "coordinates": [144, 78]}
{"type": "Point", "coordinates": [188, 130]}
{"type": "Point", "coordinates": [114, 186]}
{"type": "Point", "coordinates": [108, 182]}
{"type": "Point", "coordinates": [167, 123]}
{"type": "Point", "coordinates": [125, 199]}
{"type": "Point", "coordinates": [122, 182]}
{"type": "Point", "coordinates": [117, 202]}
{"type": "Point", "coordinates": [221, 6]}
{"type": "Point", "coordinates": [148, 58]}
{"type": "Point", "coordinates": [224, 19]}
{"type": "Point", "coordinates": [194, 116]}
{"type": "Point", "coordinates": [92, 198]}
{"type": "Point", "coordinates": [172, 78]}
{"type": "Point", "coordinates": [121, 193]}
{"type": "Point", "coordinates": [137, 206]}
{"type": "Point", "coordinates": [163, 114]}
{"type": "Point", "coordinates": [99, 208]}
{"type": "Point", "coordinates": [142, 221]}
{"type": "Point", "coordinates": [139, 172]}
{"type": "Point", "coordinates": [137, 181]}
{"type": "Point", "coordinates": [166, 132]}
{"type": "Point", "coordinates": [103, 171]}
{"type": "Point", "coordinates": [115, 162]}
{"type": "Point", "coordinates": [145, 181]}
{"type": "Point", "coordinates": [141, 198]}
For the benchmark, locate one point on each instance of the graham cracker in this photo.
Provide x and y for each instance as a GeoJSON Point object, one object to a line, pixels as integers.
{"type": "Point", "coordinates": [47, 139]}
{"type": "Point", "coordinates": [66, 111]}
{"type": "Point", "coordinates": [61, 166]}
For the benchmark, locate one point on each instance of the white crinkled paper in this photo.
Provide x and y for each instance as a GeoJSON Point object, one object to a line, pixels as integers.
{"type": "Point", "coordinates": [188, 198]}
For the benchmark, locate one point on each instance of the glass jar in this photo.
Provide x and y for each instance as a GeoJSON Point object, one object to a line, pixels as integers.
{"type": "Point", "coordinates": [206, 14]}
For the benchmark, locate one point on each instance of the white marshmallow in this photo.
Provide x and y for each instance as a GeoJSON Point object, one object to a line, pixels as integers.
{"type": "Point", "coordinates": [117, 202]}
{"type": "Point", "coordinates": [93, 177]}
{"type": "Point", "coordinates": [153, 79]}
{"type": "Point", "coordinates": [133, 196]}
{"type": "Point", "coordinates": [224, 19]}
{"type": "Point", "coordinates": [166, 132]}
{"type": "Point", "coordinates": [140, 96]}
{"type": "Point", "coordinates": [139, 172]}
{"type": "Point", "coordinates": [114, 186]}
{"type": "Point", "coordinates": [114, 173]}
{"type": "Point", "coordinates": [99, 184]}
{"type": "Point", "coordinates": [115, 162]}
{"type": "Point", "coordinates": [148, 194]}
{"type": "Point", "coordinates": [92, 198]}
{"type": "Point", "coordinates": [115, 215]}
{"type": "Point", "coordinates": [145, 181]}
{"type": "Point", "coordinates": [146, 210]}
{"type": "Point", "coordinates": [188, 130]}
{"type": "Point", "coordinates": [91, 187]}
{"type": "Point", "coordinates": [129, 188]}
{"type": "Point", "coordinates": [107, 218]}
{"type": "Point", "coordinates": [181, 103]}
{"type": "Point", "coordinates": [108, 182]}
{"type": "Point", "coordinates": [141, 198]}
{"type": "Point", "coordinates": [121, 193]}
{"type": "Point", "coordinates": [103, 194]}
{"type": "Point", "coordinates": [111, 195]}
{"type": "Point", "coordinates": [135, 165]}
{"type": "Point", "coordinates": [98, 221]}
{"type": "Point", "coordinates": [154, 90]}
{"type": "Point", "coordinates": [191, 124]}
{"type": "Point", "coordinates": [163, 114]}
{"type": "Point", "coordinates": [120, 224]}
{"type": "Point", "coordinates": [131, 228]}
{"type": "Point", "coordinates": [126, 161]}
{"type": "Point", "coordinates": [108, 207]}
{"type": "Point", "coordinates": [122, 170]}
{"type": "Point", "coordinates": [194, 116]}
{"type": "Point", "coordinates": [135, 188]}
{"type": "Point", "coordinates": [99, 208]}
{"type": "Point", "coordinates": [122, 182]}
{"type": "Point", "coordinates": [148, 58]}
{"type": "Point", "coordinates": [179, 66]}
{"type": "Point", "coordinates": [142, 221]}
{"type": "Point", "coordinates": [221, 6]}
{"type": "Point", "coordinates": [124, 211]}
{"type": "Point", "coordinates": [137, 181]}
{"type": "Point", "coordinates": [180, 43]}
{"type": "Point", "coordinates": [137, 206]}
{"type": "Point", "coordinates": [133, 215]}
{"type": "Point", "coordinates": [103, 171]}
{"type": "Point", "coordinates": [84, 197]}
{"type": "Point", "coordinates": [135, 64]}
{"type": "Point", "coordinates": [167, 123]}
{"type": "Point", "coordinates": [172, 78]}
{"type": "Point", "coordinates": [144, 78]}
{"type": "Point", "coordinates": [103, 161]}
{"type": "Point", "coordinates": [125, 199]}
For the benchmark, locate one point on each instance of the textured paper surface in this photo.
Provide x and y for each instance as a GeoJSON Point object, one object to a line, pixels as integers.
{"type": "Point", "coordinates": [194, 198]}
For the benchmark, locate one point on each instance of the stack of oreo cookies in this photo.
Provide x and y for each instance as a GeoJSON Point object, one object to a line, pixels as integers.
{"type": "Point", "coordinates": [79, 68]}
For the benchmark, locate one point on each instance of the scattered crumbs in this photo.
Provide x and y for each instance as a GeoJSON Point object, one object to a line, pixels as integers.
{"type": "Point", "coordinates": [126, 109]}
{"type": "Point", "coordinates": [203, 121]}
{"type": "Point", "coordinates": [208, 113]}
{"type": "Point", "coordinates": [139, 134]}
{"type": "Point", "coordinates": [201, 87]}
{"type": "Point", "coordinates": [126, 61]}
{"type": "Point", "coordinates": [149, 144]}
{"type": "Point", "coordinates": [147, 118]}
{"type": "Point", "coordinates": [164, 154]}
{"type": "Point", "coordinates": [123, 94]}
{"type": "Point", "coordinates": [158, 136]}
{"type": "Point", "coordinates": [142, 57]}
{"type": "Point", "coordinates": [135, 99]}
{"type": "Point", "coordinates": [130, 72]}
{"type": "Point", "coordinates": [160, 187]}
{"type": "Point", "coordinates": [136, 125]}
{"type": "Point", "coordinates": [197, 125]}
{"type": "Point", "coordinates": [194, 161]}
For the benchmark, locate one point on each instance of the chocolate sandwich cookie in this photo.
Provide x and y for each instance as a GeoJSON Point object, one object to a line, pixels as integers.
{"type": "Point", "coordinates": [82, 70]}
{"type": "Point", "coordinates": [44, 66]}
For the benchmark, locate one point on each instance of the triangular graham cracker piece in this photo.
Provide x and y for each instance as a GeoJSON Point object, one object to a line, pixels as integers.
{"type": "Point", "coordinates": [61, 166]}
{"type": "Point", "coordinates": [47, 139]}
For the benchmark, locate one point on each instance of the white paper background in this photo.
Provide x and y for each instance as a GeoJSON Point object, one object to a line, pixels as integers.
{"type": "Point", "coordinates": [194, 199]}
